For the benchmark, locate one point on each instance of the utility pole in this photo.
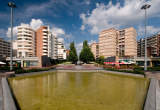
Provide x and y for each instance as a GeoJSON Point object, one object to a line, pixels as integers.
{"type": "Point", "coordinates": [11, 5]}
{"type": "Point", "coordinates": [145, 7]}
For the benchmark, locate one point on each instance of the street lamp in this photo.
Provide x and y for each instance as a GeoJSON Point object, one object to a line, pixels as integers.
{"type": "Point", "coordinates": [145, 7]}
{"type": "Point", "coordinates": [11, 5]}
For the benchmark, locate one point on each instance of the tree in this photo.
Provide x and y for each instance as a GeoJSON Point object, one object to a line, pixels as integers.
{"type": "Point", "coordinates": [100, 60]}
{"type": "Point", "coordinates": [72, 54]}
{"type": "Point", "coordinates": [86, 55]}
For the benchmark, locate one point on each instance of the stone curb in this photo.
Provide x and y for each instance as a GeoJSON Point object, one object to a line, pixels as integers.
{"type": "Point", "coordinates": [9, 103]}
{"type": "Point", "coordinates": [65, 70]}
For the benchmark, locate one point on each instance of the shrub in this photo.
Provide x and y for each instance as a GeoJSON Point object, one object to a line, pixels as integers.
{"type": "Point", "coordinates": [153, 68]}
{"type": "Point", "coordinates": [100, 60]}
{"type": "Point", "coordinates": [31, 70]}
{"type": "Point", "coordinates": [7, 68]}
{"type": "Point", "coordinates": [135, 71]}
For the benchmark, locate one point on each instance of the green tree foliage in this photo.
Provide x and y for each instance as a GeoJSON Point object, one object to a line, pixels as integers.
{"type": "Point", "coordinates": [100, 60]}
{"type": "Point", "coordinates": [86, 55]}
{"type": "Point", "coordinates": [72, 54]}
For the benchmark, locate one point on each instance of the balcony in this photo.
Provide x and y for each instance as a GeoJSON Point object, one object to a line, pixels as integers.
{"type": "Point", "coordinates": [45, 37]}
{"type": "Point", "coordinates": [45, 30]}
{"type": "Point", "coordinates": [45, 47]}
{"type": "Point", "coordinates": [45, 33]}
{"type": "Point", "coordinates": [45, 44]}
{"type": "Point", "coordinates": [45, 41]}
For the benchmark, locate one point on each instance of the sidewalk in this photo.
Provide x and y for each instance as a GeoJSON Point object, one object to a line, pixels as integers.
{"type": "Point", "coordinates": [1, 102]}
{"type": "Point", "coordinates": [153, 74]}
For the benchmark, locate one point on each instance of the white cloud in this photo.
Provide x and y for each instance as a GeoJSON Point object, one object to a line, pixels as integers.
{"type": "Point", "coordinates": [36, 23]}
{"type": "Point", "coordinates": [57, 31]}
{"type": "Point", "coordinates": [87, 2]}
{"type": "Point", "coordinates": [82, 27]}
{"type": "Point", "coordinates": [116, 15]}
{"type": "Point", "coordinates": [150, 30]}
{"type": "Point", "coordinates": [60, 39]}
{"type": "Point", "coordinates": [91, 41]}
{"type": "Point", "coordinates": [2, 33]}
{"type": "Point", "coordinates": [15, 30]}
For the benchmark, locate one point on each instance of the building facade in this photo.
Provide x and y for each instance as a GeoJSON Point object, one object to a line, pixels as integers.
{"type": "Point", "coordinates": [14, 44]}
{"type": "Point", "coordinates": [4, 49]}
{"type": "Point", "coordinates": [95, 49]}
{"type": "Point", "coordinates": [46, 43]}
{"type": "Point", "coordinates": [153, 46]}
{"type": "Point", "coordinates": [121, 43]}
{"type": "Point", "coordinates": [127, 44]}
{"type": "Point", "coordinates": [42, 37]}
{"type": "Point", "coordinates": [53, 51]}
{"type": "Point", "coordinates": [61, 51]}
{"type": "Point", "coordinates": [25, 41]}
{"type": "Point", "coordinates": [108, 43]}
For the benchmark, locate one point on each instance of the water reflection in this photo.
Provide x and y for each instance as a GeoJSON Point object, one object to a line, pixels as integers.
{"type": "Point", "coordinates": [79, 91]}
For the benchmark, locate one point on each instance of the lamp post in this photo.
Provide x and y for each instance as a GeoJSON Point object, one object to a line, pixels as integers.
{"type": "Point", "coordinates": [145, 7]}
{"type": "Point", "coordinates": [11, 5]}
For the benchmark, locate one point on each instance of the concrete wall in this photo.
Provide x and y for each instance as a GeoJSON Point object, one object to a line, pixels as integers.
{"type": "Point", "coordinates": [8, 101]}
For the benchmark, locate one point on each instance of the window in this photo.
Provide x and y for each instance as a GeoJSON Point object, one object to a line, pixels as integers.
{"type": "Point", "coordinates": [19, 45]}
{"type": "Point", "coordinates": [20, 54]}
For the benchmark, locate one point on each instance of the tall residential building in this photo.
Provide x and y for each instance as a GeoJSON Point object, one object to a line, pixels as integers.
{"type": "Point", "coordinates": [46, 43]}
{"type": "Point", "coordinates": [153, 46]}
{"type": "Point", "coordinates": [108, 43]}
{"type": "Point", "coordinates": [4, 49]}
{"type": "Point", "coordinates": [95, 49]}
{"type": "Point", "coordinates": [61, 51]}
{"type": "Point", "coordinates": [42, 37]}
{"type": "Point", "coordinates": [25, 41]}
{"type": "Point", "coordinates": [127, 44]}
{"type": "Point", "coordinates": [53, 51]}
{"type": "Point", "coordinates": [14, 44]}
{"type": "Point", "coordinates": [121, 43]}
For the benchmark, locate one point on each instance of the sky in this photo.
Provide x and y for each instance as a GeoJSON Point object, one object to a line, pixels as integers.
{"type": "Point", "coordinates": [79, 20]}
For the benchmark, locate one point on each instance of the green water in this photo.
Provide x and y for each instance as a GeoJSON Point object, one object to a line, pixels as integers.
{"type": "Point", "coordinates": [79, 91]}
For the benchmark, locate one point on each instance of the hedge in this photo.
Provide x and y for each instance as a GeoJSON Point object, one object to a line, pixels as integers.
{"type": "Point", "coordinates": [31, 70]}
{"type": "Point", "coordinates": [135, 71]}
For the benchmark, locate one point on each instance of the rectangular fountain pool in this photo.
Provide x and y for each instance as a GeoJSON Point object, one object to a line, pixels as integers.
{"type": "Point", "coordinates": [79, 91]}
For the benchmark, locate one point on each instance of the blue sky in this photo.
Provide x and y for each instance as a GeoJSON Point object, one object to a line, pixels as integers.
{"type": "Point", "coordinates": [78, 20]}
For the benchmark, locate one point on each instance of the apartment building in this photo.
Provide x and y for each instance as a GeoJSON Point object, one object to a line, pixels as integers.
{"type": "Point", "coordinates": [108, 43]}
{"type": "Point", "coordinates": [52, 45]}
{"type": "Point", "coordinates": [95, 49]}
{"type": "Point", "coordinates": [42, 37]}
{"type": "Point", "coordinates": [46, 43]}
{"type": "Point", "coordinates": [61, 51]}
{"type": "Point", "coordinates": [4, 49]}
{"type": "Point", "coordinates": [25, 41]}
{"type": "Point", "coordinates": [121, 43]}
{"type": "Point", "coordinates": [14, 45]}
{"type": "Point", "coordinates": [153, 46]}
{"type": "Point", "coordinates": [127, 44]}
